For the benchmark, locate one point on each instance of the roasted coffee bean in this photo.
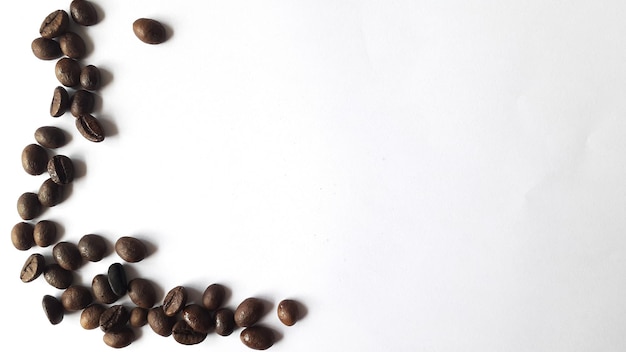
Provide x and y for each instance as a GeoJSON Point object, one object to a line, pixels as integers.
{"type": "Point", "coordinates": [198, 318]}
{"type": "Point", "coordinates": [83, 102]}
{"type": "Point", "coordinates": [175, 301]}
{"type": "Point", "coordinates": [90, 316]}
{"type": "Point", "coordinates": [67, 255]}
{"type": "Point", "coordinates": [67, 71]}
{"type": "Point", "coordinates": [159, 322]}
{"type": "Point", "coordinates": [224, 321]}
{"type": "Point", "coordinates": [58, 277]}
{"type": "Point", "coordinates": [117, 279]}
{"type": "Point", "coordinates": [130, 249]}
{"type": "Point", "coordinates": [28, 206]}
{"type": "Point", "coordinates": [72, 45]}
{"type": "Point", "coordinates": [22, 236]}
{"type": "Point", "coordinates": [249, 312]}
{"type": "Point", "coordinates": [61, 169]}
{"type": "Point", "coordinates": [50, 193]}
{"type": "Point", "coordinates": [90, 128]}
{"type": "Point", "coordinates": [119, 338]}
{"type": "Point", "coordinates": [92, 247]}
{"type": "Point", "coordinates": [33, 267]}
{"type": "Point", "coordinates": [114, 318]}
{"type": "Point", "coordinates": [149, 31]}
{"type": "Point", "coordinates": [76, 298]}
{"type": "Point", "coordinates": [45, 233]}
{"type": "Point", "coordinates": [55, 24]}
{"type": "Point", "coordinates": [213, 296]}
{"type": "Point", "coordinates": [138, 317]}
{"type": "Point", "coordinates": [60, 102]}
{"type": "Point", "coordinates": [46, 49]}
{"type": "Point", "coordinates": [34, 159]}
{"type": "Point", "coordinates": [257, 337]}
{"type": "Point", "coordinates": [288, 312]}
{"type": "Point", "coordinates": [142, 292]}
{"type": "Point", "coordinates": [185, 335]}
{"type": "Point", "coordinates": [90, 77]}
{"type": "Point", "coordinates": [83, 12]}
{"type": "Point", "coordinates": [50, 137]}
{"type": "Point", "coordinates": [102, 291]}
{"type": "Point", "coordinates": [53, 309]}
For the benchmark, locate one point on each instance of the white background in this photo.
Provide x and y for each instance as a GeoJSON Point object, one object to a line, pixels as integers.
{"type": "Point", "coordinates": [422, 175]}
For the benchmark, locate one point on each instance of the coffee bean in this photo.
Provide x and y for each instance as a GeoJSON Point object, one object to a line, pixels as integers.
{"type": "Point", "coordinates": [149, 31]}
{"type": "Point", "coordinates": [60, 102]}
{"type": "Point", "coordinates": [142, 292]}
{"type": "Point", "coordinates": [33, 267]}
{"type": "Point", "coordinates": [213, 296]}
{"type": "Point", "coordinates": [83, 12]}
{"type": "Point", "coordinates": [198, 318]}
{"type": "Point", "coordinates": [257, 337]}
{"type": "Point", "coordinates": [67, 255]}
{"type": "Point", "coordinates": [130, 249]}
{"type": "Point", "coordinates": [67, 71]}
{"type": "Point", "coordinates": [90, 77]}
{"type": "Point", "coordinates": [90, 316]}
{"type": "Point", "coordinates": [185, 335]}
{"type": "Point", "coordinates": [83, 102]}
{"type": "Point", "coordinates": [117, 279]}
{"type": "Point", "coordinates": [76, 298]}
{"type": "Point", "coordinates": [138, 317]}
{"type": "Point", "coordinates": [34, 159]}
{"type": "Point", "coordinates": [175, 301]}
{"type": "Point", "coordinates": [58, 277]}
{"type": "Point", "coordinates": [92, 247]}
{"type": "Point", "coordinates": [45, 233]}
{"type": "Point", "coordinates": [114, 318]}
{"type": "Point", "coordinates": [28, 206]}
{"type": "Point", "coordinates": [50, 137]}
{"type": "Point", "coordinates": [46, 49]}
{"type": "Point", "coordinates": [159, 322]}
{"type": "Point", "coordinates": [89, 127]}
{"type": "Point", "coordinates": [249, 312]}
{"type": "Point", "coordinates": [22, 236]}
{"type": "Point", "coordinates": [50, 193]}
{"type": "Point", "coordinates": [53, 309]}
{"type": "Point", "coordinates": [102, 291]}
{"type": "Point", "coordinates": [72, 45]}
{"type": "Point", "coordinates": [55, 24]}
{"type": "Point", "coordinates": [119, 338]}
{"type": "Point", "coordinates": [288, 311]}
{"type": "Point", "coordinates": [61, 169]}
{"type": "Point", "coordinates": [224, 321]}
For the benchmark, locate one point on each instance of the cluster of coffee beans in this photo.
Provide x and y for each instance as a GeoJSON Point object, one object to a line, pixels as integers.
{"type": "Point", "coordinates": [175, 315]}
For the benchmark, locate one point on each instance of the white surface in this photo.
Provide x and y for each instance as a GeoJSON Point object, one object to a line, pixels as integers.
{"type": "Point", "coordinates": [422, 175]}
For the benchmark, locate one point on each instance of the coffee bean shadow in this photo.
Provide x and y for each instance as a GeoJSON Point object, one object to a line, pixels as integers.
{"type": "Point", "coordinates": [138, 333]}
{"type": "Point", "coordinates": [106, 77]}
{"type": "Point", "coordinates": [228, 294]}
{"type": "Point", "coordinates": [268, 306]}
{"type": "Point", "coordinates": [109, 127]}
{"type": "Point", "coordinates": [80, 167]}
{"type": "Point", "coordinates": [99, 12]}
{"type": "Point", "coordinates": [194, 295]}
{"type": "Point", "coordinates": [303, 311]}
{"type": "Point", "coordinates": [68, 137]}
{"type": "Point", "coordinates": [169, 31]}
{"type": "Point", "coordinates": [278, 336]}
{"type": "Point", "coordinates": [151, 248]}
{"type": "Point", "coordinates": [82, 32]}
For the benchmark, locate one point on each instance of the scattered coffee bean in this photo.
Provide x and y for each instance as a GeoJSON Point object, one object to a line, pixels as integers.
{"type": "Point", "coordinates": [67, 255]}
{"type": "Point", "coordinates": [102, 291]}
{"type": "Point", "coordinates": [55, 24]}
{"type": "Point", "coordinates": [257, 337]}
{"type": "Point", "coordinates": [130, 249]}
{"type": "Point", "coordinates": [34, 159]}
{"type": "Point", "coordinates": [53, 309]}
{"type": "Point", "coordinates": [90, 316]}
{"type": "Point", "coordinates": [83, 102]}
{"type": "Point", "coordinates": [90, 128]}
{"type": "Point", "coordinates": [198, 318]}
{"type": "Point", "coordinates": [114, 318]}
{"type": "Point", "coordinates": [224, 321]}
{"type": "Point", "coordinates": [50, 137]}
{"type": "Point", "coordinates": [213, 296]}
{"type": "Point", "coordinates": [76, 298]}
{"type": "Point", "coordinates": [90, 77]}
{"type": "Point", "coordinates": [60, 102]}
{"type": "Point", "coordinates": [28, 206]}
{"type": "Point", "coordinates": [46, 49]}
{"type": "Point", "coordinates": [58, 277]}
{"type": "Point", "coordinates": [175, 301]}
{"type": "Point", "coordinates": [61, 169]}
{"type": "Point", "coordinates": [185, 335]}
{"type": "Point", "coordinates": [33, 267]}
{"type": "Point", "coordinates": [149, 31]}
{"type": "Point", "coordinates": [288, 312]}
{"type": "Point", "coordinates": [159, 322]}
{"type": "Point", "coordinates": [83, 12]}
{"type": "Point", "coordinates": [117, 279]}
{"type": "Point", "coordinates": [138, 317]}
{"type": "Point", "coordinates": [45, 233]}
{"type": "Point", "coordinates": [92, 247]}
{"type": "Point", "coordinates": [22, 236]}
{"type": "Point", "coordinates": [249, 312]}
{"type": "Point", "coordinates": [50, 193]}
{"type": "Point", "coordinates": [119, 338]}
{"type": "Point", "coordinates": [67, 71]}
{"type": "Point", "coordinates": [142, 292]}
{"type": "Point", "coordinates": [72, 45]}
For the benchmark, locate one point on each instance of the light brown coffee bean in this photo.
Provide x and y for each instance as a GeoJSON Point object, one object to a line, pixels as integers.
{"type": "Point", "coordinates": [90, 128]}
{"type": "Point", "coordinates": [83, 102]}
{"type": "Point", "coordinates": [46, 49]}
{"type": "Point", "coordinates": [90, 316]}
{"type": "Point", "coordinates": [34, 159]}
{"type": "Point", "coordinates": [224, 321]}
{"type": "Point", "coordinates": [53, 309]}
{"type": "Point", "coordinates": [185, 335]}
{"type": "Point", "coordinates": [60, 102]}
{"type": "Point", "coordinates": [22, 236]}
{"type": "Point", "coordinates": [67, 255]}
{"type": "Point", "coordinates": [33, 267]}
{"type": "Point", "coordinates": [149, 31]}
{"type": "Point", "coordinates": [28, 206]}
{"type": "Point", "coordinates": [119, 338]}
{"type": "Point", "coordinates": [102, 291]}
{"type": "Point", "coordinates": [55, 24]}
{"type": "Point", "coordinates": [57, 276]}
{"type": "Point", "coordinates": [138, 317]}
{"type": "Point", "coordinates": [61, 169]}
{"type": "Point", "coordinates": [72, 45]}
{"type": "Point", "coordinates": [92, 247]}
{"type": "Point", "coordinates": [130, 249]}
{"type": "Point", "coordinates": [45, 233]}
{"type": "Point", "coordinates": [249, 311]}
{"type": "Point", "coordinates": [114, 318]}
{"type": "Point", "coordinates": [198, 318]}
{"type": "Point", "coordinates": [67, 71]}
{"type": "Point", "coordinates": [175, 301]}
{"type": "Point", "coordinates": [142, 292]}
{"type": "Point", "coordinates": [159, 322]}
{"type": "Point", "coordinates": [90, 77]}
{"type": "Point", "coordinates": [76, 298]}
{"type": "Point", "coordinates": [50, 193]}
{"type": "Point", "coordinates": [257, 337]}
{"type": "Point", "coordinates": [288, 311]}
{"type": "Point", "coordinates": [50, 137]}
{"type": "Point", "coordinates": [213, 296]}
{"type": "Point", "coordinates": [83, 12]}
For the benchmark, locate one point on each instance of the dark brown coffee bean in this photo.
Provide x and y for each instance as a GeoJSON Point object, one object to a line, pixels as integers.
{"type": "Point", "coordinates": [60, 102]}
{"type": "Point", "coordinates": [198, 318]}
{"type": "Point", "coordinates": [33, 267]}
{"type": "Point", "coordinates": [159, 322]}
{"type": "Point", "coordinates": [28, 206]}
{"type": "Point", "coordinates": [46, 49]}
{"type": "Point", "coordinates": [67, 71]}
{"type": "Point", "coordinates": [67, 255]}
{"type": "Point", "coordinates": [76, 298]}
{"type": "Point", "coordinates": [142, 292]}
{"type": "Point", "coordinates": [249, 312]}
{"type": "Point", "coordinates": [90, 128]}
{"type": "Point", "coordinates": [257, 337]}
{"type": "Point", "coordinates": [22, 236]}
{"type": "Point", "coordinates": [185, 335]}
{"type": "Point", "coordinates": [83, 12]}
{"type": "Point", "coordinates": [130, 249]}
{"type": "Point", "coordinates": [288, 312]}
{"type": "Point", "coordinates": [92, 247]}
{"type": "Point", "coordinates": [83, 102]}
{"type": "Point", "coordinates": [50, 193]}
{"type": "Point", "coordinates": [117, 279]}
{"type": "Point", "coordinates": [45, 233]}
{"type": "Point", "coordinates": [119, 338]}
{"type": "Point", "coordinates": [57, 276]}
{"type": "Point", "coordinates": [138, 317]}
{"type": "Point", "coordinates": [175, 301]}
{"type": "Point", "coordinates": [213, 296]}
{"type": "Point", "coordinates": [102, 291]}
{"type": "Point", "coordinates": [50, 137]}
{"type": "Point", "coordinates": [90, 316]}
{"type": "Point", "coordinates": [149, 31]}
{"type": "Point", "coordinates": [72, 45]}
{"type": "Point", "coordinates": [224, 321]}
{"type": "Point", "coordinates": [114, 318]}
{"type": "Point", "coordinates": [53, 309]}
{"type": "Point", "coordinates": [55, 24]}
{"type": "Point", "coordinates": [90, 77]}
{"type": "Point", "coordinates": [34, 159]}
{"type": "Point", "coordinates": [61, 169]}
